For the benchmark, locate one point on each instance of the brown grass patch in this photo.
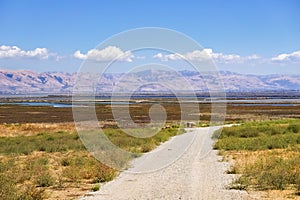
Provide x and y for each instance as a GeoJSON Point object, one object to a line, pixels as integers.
{"type": "Point", "coordinates": [241, 161]}
{"type": "Point", "coordinates": [27, 129]}
{"type": "Point", "coordinates": [58, 179]}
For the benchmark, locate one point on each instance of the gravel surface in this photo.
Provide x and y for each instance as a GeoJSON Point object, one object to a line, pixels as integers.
{"type": "Point", "coordinates": [185, 167]}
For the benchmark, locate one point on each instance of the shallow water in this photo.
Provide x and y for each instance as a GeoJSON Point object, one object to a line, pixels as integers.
{"type": "Point", "coordinates": [234, 102]}
{"type": "Point", "coordinates": [64, 105]}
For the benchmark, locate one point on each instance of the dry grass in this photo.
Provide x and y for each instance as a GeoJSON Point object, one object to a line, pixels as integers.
{"type": "Point", "coordinates": [246, 162]}
{"type": "Point", "coordinates": [245, 158]}
{"type": "Point", "coordinates": [55, 164]}
{"type": "Point", "coordinates": [49, 172]}
{"type": "Point", "coordinates": [274, 195]}
{"type": "Point", "coordinates": [69, 173]}
{"type": "Point", "coordinates": [266, 154]}
{"type": "Point", "coordinates": [27, 129]}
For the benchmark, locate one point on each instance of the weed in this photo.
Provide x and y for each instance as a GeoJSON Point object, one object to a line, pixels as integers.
{"type": "Point", "coordinates": [62, 161]}
{"type": "Point", "coordinates": [237, 184]}
{"type": "Point", "coordinates": [58, 142]}
{"type": "Point", "coordinates": [293, 128]}
{"type": "Point", "coordinates": [8, 189]}
{"type": "Point", "coordinates": [65, 162]}
{"type": "Point", "coordinates": [297, 183]}
{"type": "Point", "coordinates": [259, 136]}
{"type": "Point", "coordinates": [32, 193]}
{"type": "Point", "coordinates": [277, 167]}
{"type": "Point", "coordinates": [44, 180]}
{"type": "Point", "coordinates": [96, 187]}
{"type": "Point", "coordinates": [104, 174]}
{"type": "Point", "coordinates": [232, 170]}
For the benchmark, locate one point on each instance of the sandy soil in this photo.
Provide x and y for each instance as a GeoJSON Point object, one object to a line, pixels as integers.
{"type": "Point", "coordinates": [185, 167]}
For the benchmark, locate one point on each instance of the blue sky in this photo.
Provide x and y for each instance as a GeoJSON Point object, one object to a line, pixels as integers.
{"type": "Point", "coordinates": [254, 36]}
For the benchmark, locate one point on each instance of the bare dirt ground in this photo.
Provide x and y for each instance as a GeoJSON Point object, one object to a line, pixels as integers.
{"type": "Point", "coordinates": [185, 167]}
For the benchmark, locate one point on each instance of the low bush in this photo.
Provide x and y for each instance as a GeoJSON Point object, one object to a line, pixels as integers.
{"type": "Point", "coordinates": [48, 142]}
{"type": "Point", "coordinates": [44, 180]}
{"type": "Point", "coordinates": [259, 135]}
{"type": "Point", "coordinates": [276, 166]}
{"type": "Point", "coordinates": [96, 187]}
{"type": "Point", "coordinates": [272, 172]}
{"type": "Point", "coordinates": [39, 163]}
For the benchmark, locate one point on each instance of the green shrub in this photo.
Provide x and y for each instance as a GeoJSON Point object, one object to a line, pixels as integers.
{"type": "Point", "coordinates": [96, 187]}
{"type": "Point", "coordinates": [269, 171]}
{"type": "Point", "coordinates": [293, 128]}
{"type": "Point", "coordinates": [44, 180]}
{"type": "Point", "coordinates": [48, 142]}
{"type": "Point", "coordinates": [259, 136]}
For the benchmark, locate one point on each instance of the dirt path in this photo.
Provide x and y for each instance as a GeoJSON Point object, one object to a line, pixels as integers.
{"type": "Point", "coordinates": [195, 173]}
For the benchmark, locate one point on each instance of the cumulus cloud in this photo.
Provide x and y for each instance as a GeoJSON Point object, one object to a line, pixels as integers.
{"type": "Point", "coordinates": [168, 57]}
{"type": "Point", "coordinates": [205, 55]}
{"type": "Point", "coordinates": [107, 54]}
{"type": "Point", "coordinates": [16, 52]}
{"type": "Point", "coordinates": [291, 57]}
{"type": "Point", "coordinates": [253, 57]}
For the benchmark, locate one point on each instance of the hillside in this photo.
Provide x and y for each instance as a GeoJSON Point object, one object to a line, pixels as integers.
{"type": "Point", "coordinates": [26, 82]}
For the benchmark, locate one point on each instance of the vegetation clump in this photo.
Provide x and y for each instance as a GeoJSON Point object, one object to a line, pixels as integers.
{"type": "Point", "coordinates": [36, 166]}
{"type": "Point", "coordinates": [266, 153]}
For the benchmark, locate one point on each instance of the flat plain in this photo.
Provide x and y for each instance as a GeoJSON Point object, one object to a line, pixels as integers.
{"type": "Point", "coordinates": [42, 156]}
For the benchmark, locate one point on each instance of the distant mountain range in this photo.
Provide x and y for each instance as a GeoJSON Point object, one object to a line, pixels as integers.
{"type": "Point", "coordinates": [29, 82]}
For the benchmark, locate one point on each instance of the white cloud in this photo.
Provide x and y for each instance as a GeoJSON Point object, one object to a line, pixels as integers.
{"type": "Point", "coordinates": [253, 57]}
{"type": "Point", "coordinates": [16, 52]}
{"type": "Point", "coordinates": [159, 56]}
{"type": "Point", "coordinates": [79, 55]}
{"type": "Point", "coordinates": [292, 57]}
{"type": "Point", "coordinates": [168, 57]}
{"type": "Point", "coordinates": [205, 55]}
{"type": "Point", "coordinates": [107, 54]}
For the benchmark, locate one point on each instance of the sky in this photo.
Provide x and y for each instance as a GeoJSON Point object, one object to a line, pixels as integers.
{"type": "Point", "coordinates": [250, 36]}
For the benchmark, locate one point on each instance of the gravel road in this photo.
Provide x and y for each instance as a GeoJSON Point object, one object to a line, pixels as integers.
{"type": "Point", "coordinates": [184, 167]}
